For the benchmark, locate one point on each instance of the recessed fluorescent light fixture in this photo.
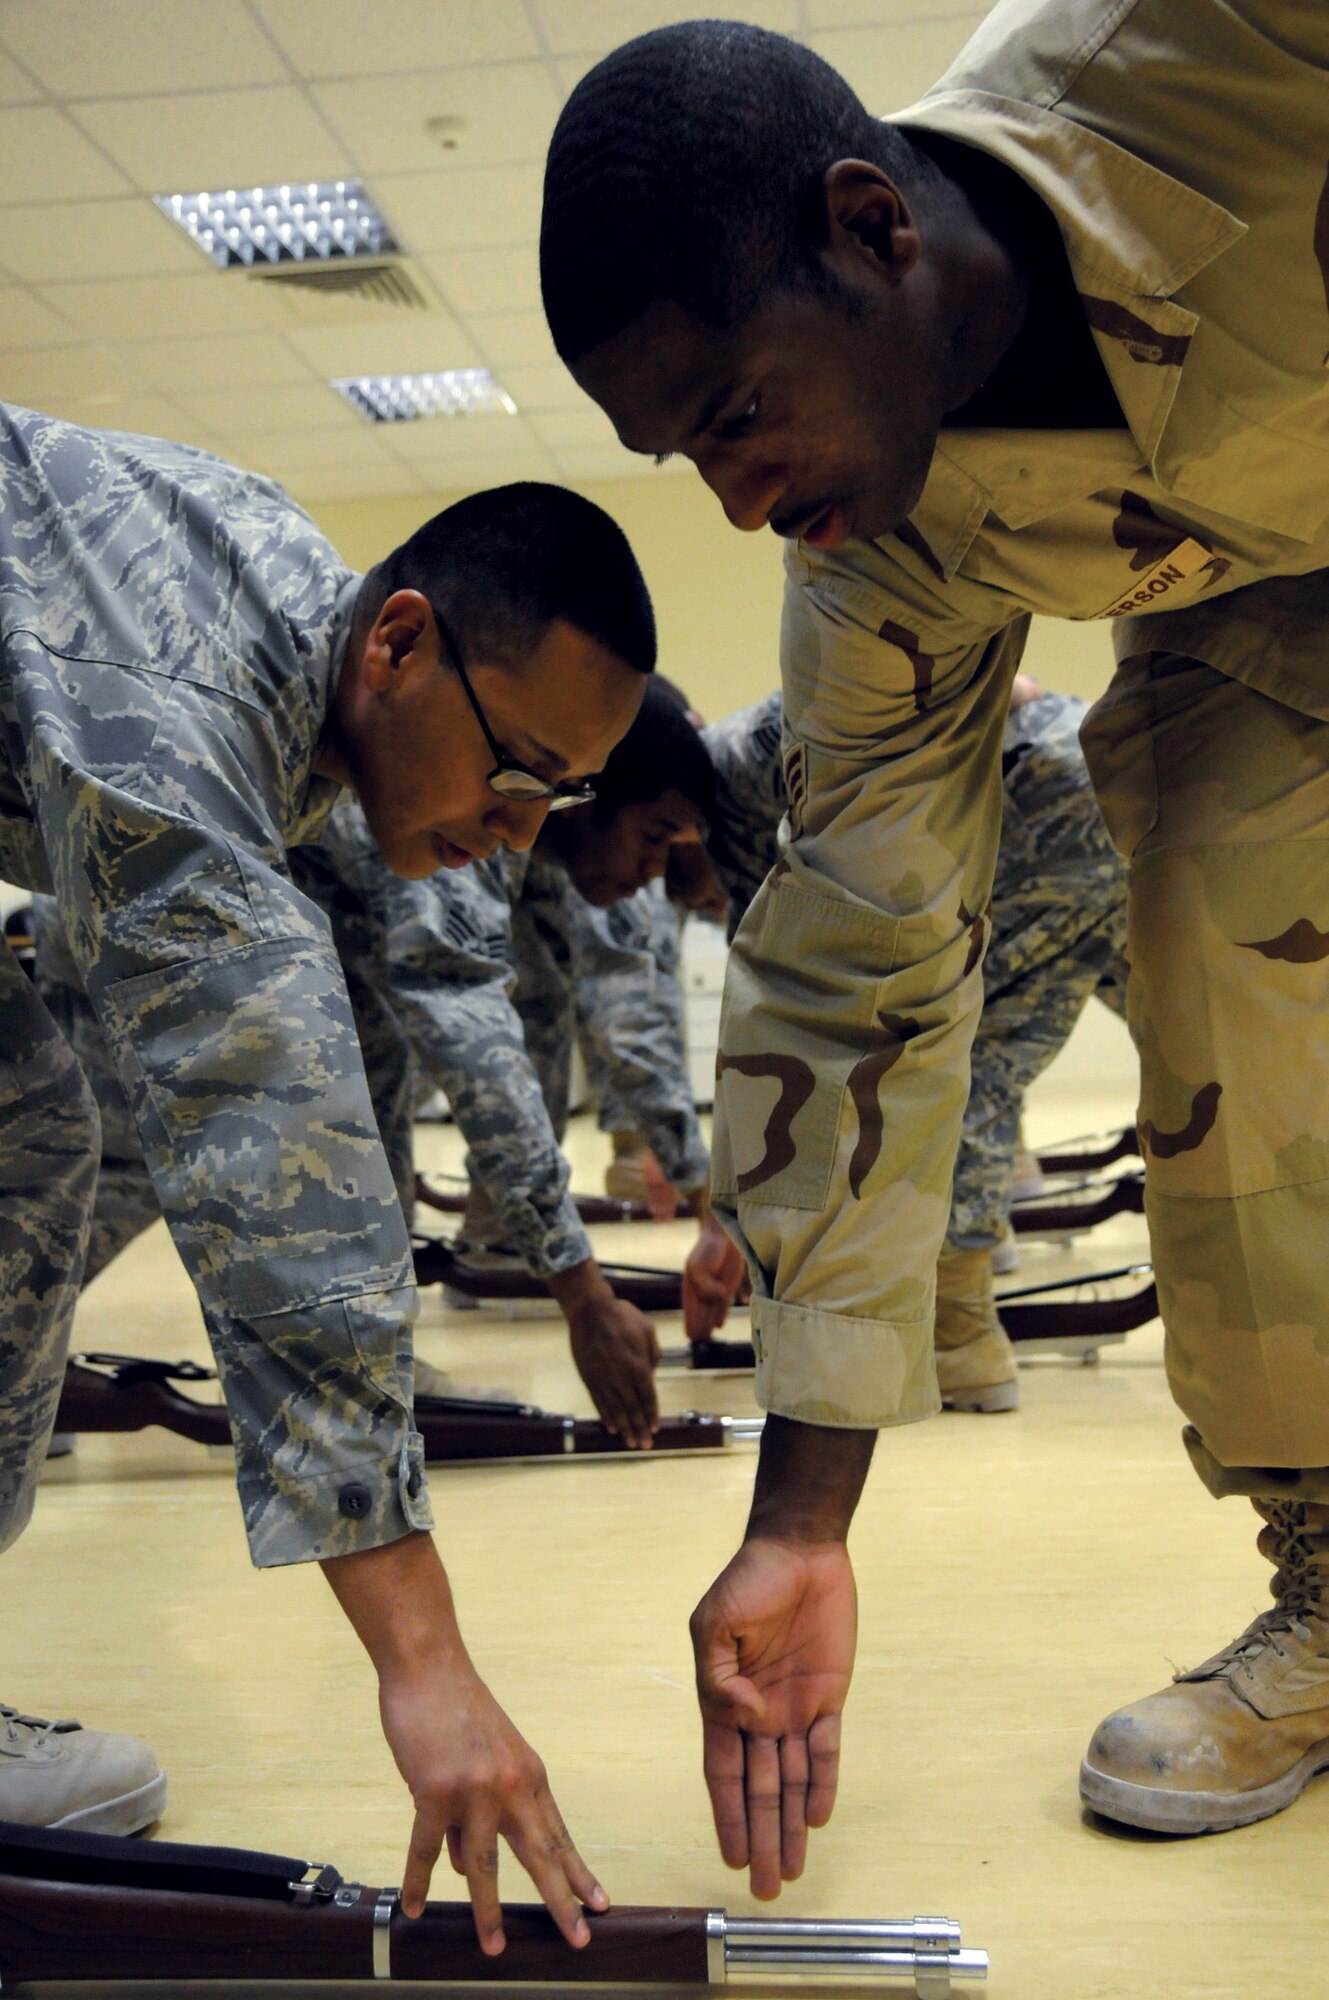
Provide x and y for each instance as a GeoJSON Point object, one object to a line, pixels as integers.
{"type": "Point", "coordinates": [401, 399]}
{"type": "Point", "coordinates": [305, 222]}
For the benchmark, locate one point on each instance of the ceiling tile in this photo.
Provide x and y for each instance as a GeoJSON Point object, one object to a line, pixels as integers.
{"type": "Point", "coordinates": [588, 463]}
{"type": "Point", "coordinates": [220, 361]}
{"type": "Point", "coordinates": [461, 209]}
{"type": "Point", "coordinates": [508, 113]}
{"type": "Point", "coordinates": [372, 37]}
{"type": "Point", "coordinates": [156, 416]}
{"type": "Point", "coordinates": [50, 378]}
{"type": "Point", "coordinates": [585, 25]}
{"type": "Point", "coordinates": [15, 87]}
{"type": "Point", "coordinates": [896, 15]}
{"type": "Point", "coordinates": [47, 158]}
{"type": "Point", "coordinates": [333, 482]}
{"type": "Point", "coordinates": [473, 476]}
{"type": "Point", "coordinates": [487, 281]}
{"type": "Point", "coordinates": [415, 343]}
{"type": "Point", "coordinates": [573, 429]}
{"type": "Point", "coordinates": [890, 68]}
{"type": "Point", "coordinates": [508, 339]}
{"type": "Point", "coordinates": [225, 138]}
{"type": "Point", "coordinates": [122, 48]}
{"type": "Point", "coordinates": [276, 452]}
{"type": "Point", "coordinates": [286, 406]}
{"type": "Point", "coordinates": [152, 308]}
{"type": "Point", "coordinates": [543, 385]}
{"type": "Point", "coordinates": [437, 440]}
{"type": "Point", "coordinates": [29, 321]}
{"type": "Point", "coordinates": [92, 239]}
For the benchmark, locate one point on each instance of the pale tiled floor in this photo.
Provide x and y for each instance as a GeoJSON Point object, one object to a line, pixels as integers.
{"type": "Point", "coordinates": [1020, 1575]}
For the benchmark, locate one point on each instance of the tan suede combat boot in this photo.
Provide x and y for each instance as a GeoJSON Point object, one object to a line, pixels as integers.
{"type": "Point", "coordinates": [975, 1360]}
{"type": "Point", "coordinates": [625, 1178]}
{"type": "Point", "coordinates": [1239, 1737]}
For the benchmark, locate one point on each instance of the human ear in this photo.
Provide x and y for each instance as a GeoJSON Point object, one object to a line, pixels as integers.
{"type": "Point", "coordinates": [868, 217]}
{"type": "Point", "coordinates": [402, 632]}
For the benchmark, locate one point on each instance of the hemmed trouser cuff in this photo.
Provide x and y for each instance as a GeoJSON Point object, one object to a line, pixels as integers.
{"type": "Point", "coordinates": [1256, 1482]}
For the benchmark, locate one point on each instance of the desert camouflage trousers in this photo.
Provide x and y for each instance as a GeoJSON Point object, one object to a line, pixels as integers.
{"type": "Point", "coordinates": [49, 1146]}
{"type": "Point", "coordinates": [1219, 797]}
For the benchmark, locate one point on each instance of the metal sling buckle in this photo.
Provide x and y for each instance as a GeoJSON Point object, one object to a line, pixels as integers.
{"type": "Point", "coordinates": [383, 1910]}
{"type": "Point", "coordinates": [319, 1883]}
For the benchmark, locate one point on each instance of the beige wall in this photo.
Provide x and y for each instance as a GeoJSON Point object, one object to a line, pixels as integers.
{"type": "Point", "coordinates": [716, 592]}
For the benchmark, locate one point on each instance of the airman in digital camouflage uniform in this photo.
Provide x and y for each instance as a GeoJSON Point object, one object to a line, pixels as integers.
{"type": "Point", "coordinates": [428, 971]}
{"type": "Point", "coordinates": [1053, 339]}
{"type": "Point", "coordinates": [1058, 928]}
{"type": "Point", "coordinates": [476, 977]}
{"type": "Point", "coordinates": [188, 674]}
{"type": "Point", "coordinates": [589, 906]}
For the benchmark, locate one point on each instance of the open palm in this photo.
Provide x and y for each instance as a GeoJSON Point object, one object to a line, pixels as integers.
{"type": "Point", "coordinates": [774, 1640]}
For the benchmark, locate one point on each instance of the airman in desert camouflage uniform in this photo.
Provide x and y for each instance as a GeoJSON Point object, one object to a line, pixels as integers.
{"type": "Point", "coordinates": [188, 673]}
{"type": "Point", "coordinates": [1050, 340]}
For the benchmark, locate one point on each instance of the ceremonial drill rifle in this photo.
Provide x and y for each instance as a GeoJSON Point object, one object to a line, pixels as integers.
{"type": "Point", "coordinates": [1062, 1215]}
{"type": "Point", "coordinates": [1076, 1327]}
{"type": "Point", "coordinates": [122, 1392]}
{"type": "Point", "coordinates": [590, 1207]}
{"type": "Point", "coordinates": [1091, 1153]}
{"type": "Point", "coordinates": [437, 1263]}
{"type": "Point", "coordinates": [94, 1907]}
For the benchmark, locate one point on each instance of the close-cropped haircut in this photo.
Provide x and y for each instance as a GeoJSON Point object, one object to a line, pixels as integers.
{"type": "Point", "coordinates": [687, 168]}
{"type": "Point", "coordinates": [502, 564]}
{"type": "Point", "coordinates": [663, 751]}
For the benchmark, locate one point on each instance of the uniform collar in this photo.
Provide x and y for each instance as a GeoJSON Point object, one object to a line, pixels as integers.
{"type": "Point", "coordinates": [1134, 236]}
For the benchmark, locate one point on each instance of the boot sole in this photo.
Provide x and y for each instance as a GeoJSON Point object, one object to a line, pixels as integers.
{"type": "Point", "coordinates": [130, 1813]}
{"type": "Point", "coordinates": [1196, 1812]}
{"type": "Point", "coordinates": [987, 1400]}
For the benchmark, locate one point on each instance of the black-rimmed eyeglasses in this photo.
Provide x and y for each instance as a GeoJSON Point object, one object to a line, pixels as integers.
{"type": "Point", "coordinates": [510, 778]}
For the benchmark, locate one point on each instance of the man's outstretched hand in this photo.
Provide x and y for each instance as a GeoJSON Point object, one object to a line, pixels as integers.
{"type": "Point", "coordinates": [774, 1641]}
{"type": "Point", "coordinates": [714, 1276]}
{"type": "Point", "coordinates": [472, 1777]}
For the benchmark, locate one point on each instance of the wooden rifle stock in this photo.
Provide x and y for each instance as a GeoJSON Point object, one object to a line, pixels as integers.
{"type": "Point", "coordinates": [1033, 1322]}
{"type": "Point", "coordinates": [1060, 1216]}
{"type": "Point", "coordinates": [93, 1907]}
{"type": "Point", "coordinates": [1087, 1155]}
{"type": "Point", "coordinates": [437, 1263]}
{"type": "Point", "coordinates": [117, 1392]}
{"type": "Point", "coordinates": [590, 1207]}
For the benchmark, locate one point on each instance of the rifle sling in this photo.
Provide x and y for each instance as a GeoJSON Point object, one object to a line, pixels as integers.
{"type": "Point", "coordinates": [49, 1854]}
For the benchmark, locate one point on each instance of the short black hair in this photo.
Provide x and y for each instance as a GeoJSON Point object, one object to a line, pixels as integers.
{"type": "Point", "coordinates": [500, 565]}
{"type": "Point", "coordinates": [663, 751]}
{"type": "Point", "coordinates": [687, 167]}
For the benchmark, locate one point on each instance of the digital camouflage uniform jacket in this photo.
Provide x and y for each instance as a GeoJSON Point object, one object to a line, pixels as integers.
{"type": "Point", "coordinates": [171, 630]}
{"type": "Point", "coordinates": [1182, 147]}
{"type": "Point", "coordinates": [432, 967]}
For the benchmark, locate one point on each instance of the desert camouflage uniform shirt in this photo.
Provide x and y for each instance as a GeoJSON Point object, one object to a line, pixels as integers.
{"type": "Point", "coordinates": [1058, 918]}
{"type": "Point", "coordinates": [171, 633]}
{"type": "Point", "coordinates": [1181, 146]}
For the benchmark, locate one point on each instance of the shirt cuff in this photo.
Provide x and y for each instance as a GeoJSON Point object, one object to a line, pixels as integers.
{"type": "Point", "coordinates": [358, 1505]}
{"type": "Point", "coordinates": [845, 1373]}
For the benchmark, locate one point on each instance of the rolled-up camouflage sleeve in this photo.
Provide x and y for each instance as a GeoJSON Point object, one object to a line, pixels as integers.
{"type": "Point", "coordinates": [219, 990]}
{"type": "Point", "coordinates": [854, 987]}
{"type": "Point", "coordinates": [629, 1012]}
{"type": "Point", "coordinates": [446, 974]}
